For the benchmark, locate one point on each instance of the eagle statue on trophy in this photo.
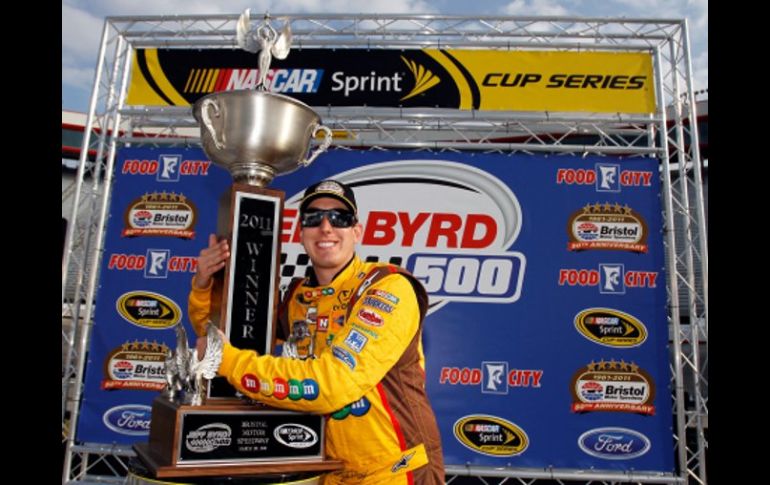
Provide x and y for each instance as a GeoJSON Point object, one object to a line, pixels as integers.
{"type": "Point", "coordinates": [185, 371]}
{"type": "Point", "coordinates": [265, 40]}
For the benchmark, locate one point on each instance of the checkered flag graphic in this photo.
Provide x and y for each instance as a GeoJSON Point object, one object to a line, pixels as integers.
{"type": "Point", "coordinates": [298, 265]}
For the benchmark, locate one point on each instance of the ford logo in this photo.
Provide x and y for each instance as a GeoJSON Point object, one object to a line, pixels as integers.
{"type": "Point", "coordinates": [295, 435]}
{"type": "Point", "coordinates": [614, 443]}
{"type": "Point", "coordinates": [129, 419]}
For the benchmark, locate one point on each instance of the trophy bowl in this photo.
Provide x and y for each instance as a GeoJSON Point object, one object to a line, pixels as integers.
{"type": "Point", "coordinates": [256, 135]}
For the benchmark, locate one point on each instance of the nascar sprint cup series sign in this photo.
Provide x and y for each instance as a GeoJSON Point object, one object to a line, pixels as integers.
{"type": "Point", "coordinates": [607, 82]}
{"type": "Point", "coordinates": [545, 341]}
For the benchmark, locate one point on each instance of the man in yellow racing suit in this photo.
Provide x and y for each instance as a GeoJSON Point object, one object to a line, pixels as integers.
{"type": "Point", "coordinates": [361, 361]}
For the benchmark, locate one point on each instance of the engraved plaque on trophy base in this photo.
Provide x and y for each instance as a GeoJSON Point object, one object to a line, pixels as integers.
{"type": "Point", "coordinates": [217, 440]}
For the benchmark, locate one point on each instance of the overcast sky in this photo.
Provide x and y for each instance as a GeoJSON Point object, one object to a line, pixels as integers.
{"type": "Point", "coordinates": [82, 22]}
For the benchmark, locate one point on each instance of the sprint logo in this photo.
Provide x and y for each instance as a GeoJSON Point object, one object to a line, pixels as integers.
{"type": "Point", "coordinates": [424, 79]}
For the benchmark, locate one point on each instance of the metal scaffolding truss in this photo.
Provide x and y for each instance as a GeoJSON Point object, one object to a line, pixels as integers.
{"type": "Point", "coordinates": [669, 134]}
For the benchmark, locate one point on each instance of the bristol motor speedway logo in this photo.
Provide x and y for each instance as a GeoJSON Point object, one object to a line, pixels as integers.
{"type": "Point", "coordinates": [450, 224]}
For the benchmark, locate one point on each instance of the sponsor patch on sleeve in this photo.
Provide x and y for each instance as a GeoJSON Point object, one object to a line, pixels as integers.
{"type": "Point", "coordinates": [368, 331]}
{"type": "Point", "coordinates": [378, 304]}
{"type": "Point", "coordinates": [344, 356]}
{"type": "Point", "coordinates": [322, 323]}
{"type": "Point", "coordinates": [370, 317]}
{"type": "Point", "coordinates": [356, 341]}
{"type": "Point", "coordinates": [384, 294]}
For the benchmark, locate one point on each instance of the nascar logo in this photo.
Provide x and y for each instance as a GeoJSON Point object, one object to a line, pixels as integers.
{"type": "Point", "coordinates": [278, 80]}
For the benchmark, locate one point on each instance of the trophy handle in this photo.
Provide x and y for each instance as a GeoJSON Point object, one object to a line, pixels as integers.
{"type": "Point", "coordinates": [207, 121]}
{"type": "Point", "coordinates": [322, 147]}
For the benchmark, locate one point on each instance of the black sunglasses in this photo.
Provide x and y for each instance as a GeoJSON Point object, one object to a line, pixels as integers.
{"type": "Point", "coordinates": [337, 217]}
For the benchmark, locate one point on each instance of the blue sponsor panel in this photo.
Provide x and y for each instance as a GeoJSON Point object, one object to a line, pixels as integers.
{"type": "Point", "coordinates": [546, 337]}
{"type": "Point", "coordinates": [547, 289]}
{"type": "Point", "coordinates": [163, 207]}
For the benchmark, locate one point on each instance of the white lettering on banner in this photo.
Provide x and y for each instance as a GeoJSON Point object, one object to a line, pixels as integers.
{"type": "Point", "coordinates": [457, 277]}
{"type": "Point", "coordinates": [278, 80]}
{"type": "Point", "coordinates": [611, 276]}
{"type": "Point", "coordinates": [608, 175]}
{"type": "Point", "coordinates": [371, 83]}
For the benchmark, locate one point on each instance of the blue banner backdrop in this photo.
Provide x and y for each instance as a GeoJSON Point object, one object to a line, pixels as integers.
{"type": "Point", "coordinates": [546, 341]}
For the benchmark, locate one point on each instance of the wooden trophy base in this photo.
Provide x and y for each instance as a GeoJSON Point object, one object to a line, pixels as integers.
{"type": "Point", "coordinates": [232, 440]}
{"type": "Point", "coordinates": [159, 470]}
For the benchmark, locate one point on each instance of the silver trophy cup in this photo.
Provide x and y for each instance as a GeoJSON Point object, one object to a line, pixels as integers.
{"type": "Point", "coordinates": [256, 135]}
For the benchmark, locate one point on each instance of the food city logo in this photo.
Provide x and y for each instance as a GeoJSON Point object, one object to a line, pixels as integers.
{"type": "Point", "coordinates": [490, 435]}
{"type": "Point", "coordinates": [294, 435]}
{"type": "Point", "coordinates": [156, 263]}
{"type": "Point", "coordinates": [606, 177]}
{"type": "Point", "coordinates": [160, 214]}
{"type": "Point", "coordinates": [459, 253]}
{"type": "Point", "coordinates": [614, 443]}
{"type": "Point", "coordinates": [609, 327]}
{"type": "Point", "coordinates": [208, 438]}
{"type": "Point", "coordinates": [492, 377]}
{"type": "Point", "coordinates": [611, 278]}
{"type": "Point", "coordinates": [136, 365]}
{"type": "Point", "coordinates": [148, 310]}
{"type": "Point", "coordinates": [607, 226]}
{"type": "Point", "coordinates": [613, 386]}
{"type": "Point", "coordinates": [128, 419]}
{"type": "Point", "coordinates": [167, 168]}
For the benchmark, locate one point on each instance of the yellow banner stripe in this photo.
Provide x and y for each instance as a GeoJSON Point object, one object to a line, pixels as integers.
{"type": "Point", "coordinates": [189, 81]}
{"type": "Point", "coordinates": [153, 64]}
{"type": "Point", "coordinates": [466, 98]}
{"type": "Point", "coordinates": [213, 80]}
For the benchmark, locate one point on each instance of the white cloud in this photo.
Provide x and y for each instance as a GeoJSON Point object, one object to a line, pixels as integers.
{"type": "Point", "coordinates": [535, 7]}
{"type": "Point", "coordinates": [80, 31]}
{"type": "Point", "coordinates": [82, 78]}
{"type": "Point", "coordinates": [700, 69]}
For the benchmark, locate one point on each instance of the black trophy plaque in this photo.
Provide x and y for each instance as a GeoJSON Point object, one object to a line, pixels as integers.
{"type": "Point", "coordinates": [245, 298]}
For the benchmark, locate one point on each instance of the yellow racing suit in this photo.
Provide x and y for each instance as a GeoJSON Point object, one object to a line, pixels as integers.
{"type": "Point", "coordinates": [368, 375]}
